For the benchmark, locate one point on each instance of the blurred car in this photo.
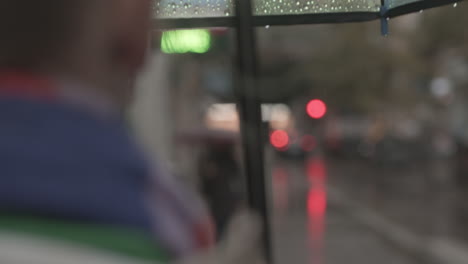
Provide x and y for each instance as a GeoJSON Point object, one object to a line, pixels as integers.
{"type": "Point", "coordinates": [293, 145]}
{"type": "Point", "coordinates": [344, 136]}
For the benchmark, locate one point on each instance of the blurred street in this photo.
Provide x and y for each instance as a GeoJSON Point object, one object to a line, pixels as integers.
{"type": "Point", "coordinates": [340, 211]}
{"type": "Point", "coordinates": [369, 133]}
{"type": "Point", "coordinates": [188, 131]}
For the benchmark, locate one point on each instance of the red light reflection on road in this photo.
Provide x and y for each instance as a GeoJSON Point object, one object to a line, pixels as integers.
{"type": "Point", "coordinates": [316, 171]}
{"type": "Point", "coordinates": [317, 207]}
{"type": "Point", "coordinates": [309, 143]}
{"type": "Point", "coordinates": [317, 203]}
{"type": "Point", "coordinates": [280, 189]}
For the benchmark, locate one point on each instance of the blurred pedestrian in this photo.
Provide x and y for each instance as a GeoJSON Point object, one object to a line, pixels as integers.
{"type": "Point", "coordinates": [221, 183]}
{"type": "Point", "coordinates": [68, 168]}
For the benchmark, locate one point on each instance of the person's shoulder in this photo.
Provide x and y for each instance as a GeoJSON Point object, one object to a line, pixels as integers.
{"type": "Point", "coordinates": [52, 129]}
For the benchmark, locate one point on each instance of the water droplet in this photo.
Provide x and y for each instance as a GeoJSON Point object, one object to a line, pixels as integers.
{"type": "Point", "coordinates": [420, 11]}
{"type": "Point", "coordinates": [267, 26]}
{"type": "Point", "coordinates": [455, 5]}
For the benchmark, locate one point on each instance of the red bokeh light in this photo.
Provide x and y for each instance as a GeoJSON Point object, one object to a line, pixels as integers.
{"type": "Point", "coordinates": [316, 109]}
{"type": "Point", "coordinates": [279, 139]}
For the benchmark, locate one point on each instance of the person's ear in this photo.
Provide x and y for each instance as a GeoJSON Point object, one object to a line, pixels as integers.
{"type": "Point", "coordinates": [132, 28]}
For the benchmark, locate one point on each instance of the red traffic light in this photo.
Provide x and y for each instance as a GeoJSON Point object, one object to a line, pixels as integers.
{"type": "Point", "coordinates": [316, 109]}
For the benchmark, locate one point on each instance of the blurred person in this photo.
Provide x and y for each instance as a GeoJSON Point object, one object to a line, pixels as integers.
{"type": "Point", "coordinates": [221, 182]}
{"type": "Point", "coordinates": [68, 169]}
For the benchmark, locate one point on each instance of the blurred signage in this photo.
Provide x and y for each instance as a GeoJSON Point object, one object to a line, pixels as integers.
{"type": "Point", "coordinates": [186, 41]}
{"type": "Point", "coordinates": [222, 117]}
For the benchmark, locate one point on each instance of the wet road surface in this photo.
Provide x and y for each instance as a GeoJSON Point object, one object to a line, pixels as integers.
{"type": "Point", "coordinates": [339, 212]}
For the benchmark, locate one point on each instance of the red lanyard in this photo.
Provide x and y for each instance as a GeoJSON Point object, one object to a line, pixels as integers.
{"type": "Point", "coordinates": [26, 85]}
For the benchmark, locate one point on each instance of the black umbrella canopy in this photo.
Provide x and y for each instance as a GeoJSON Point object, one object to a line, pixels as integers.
{"type": "Point", "coordinates": [216, 13]}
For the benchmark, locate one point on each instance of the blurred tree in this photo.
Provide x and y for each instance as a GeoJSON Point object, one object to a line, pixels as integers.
{"type": "Point", "coordinates": [441, 29]}
{"type": "Point", "coordinates": [363, 71]}
{"type": "Point", "coordinates": [354, 68]}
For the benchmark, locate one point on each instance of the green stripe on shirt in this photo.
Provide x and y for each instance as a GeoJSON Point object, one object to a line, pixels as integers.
{"type": "Point", "coordinates": [126, 242]}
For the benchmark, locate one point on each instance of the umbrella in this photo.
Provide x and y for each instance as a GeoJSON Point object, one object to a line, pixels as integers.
{"type": "Point", "coordinates": [222, 13]}
{"type": "Point", "coordinates": [244, 15]}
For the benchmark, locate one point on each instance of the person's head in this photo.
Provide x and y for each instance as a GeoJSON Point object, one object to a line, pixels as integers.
{"type": "Point", "coordinates": [100, 42]}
